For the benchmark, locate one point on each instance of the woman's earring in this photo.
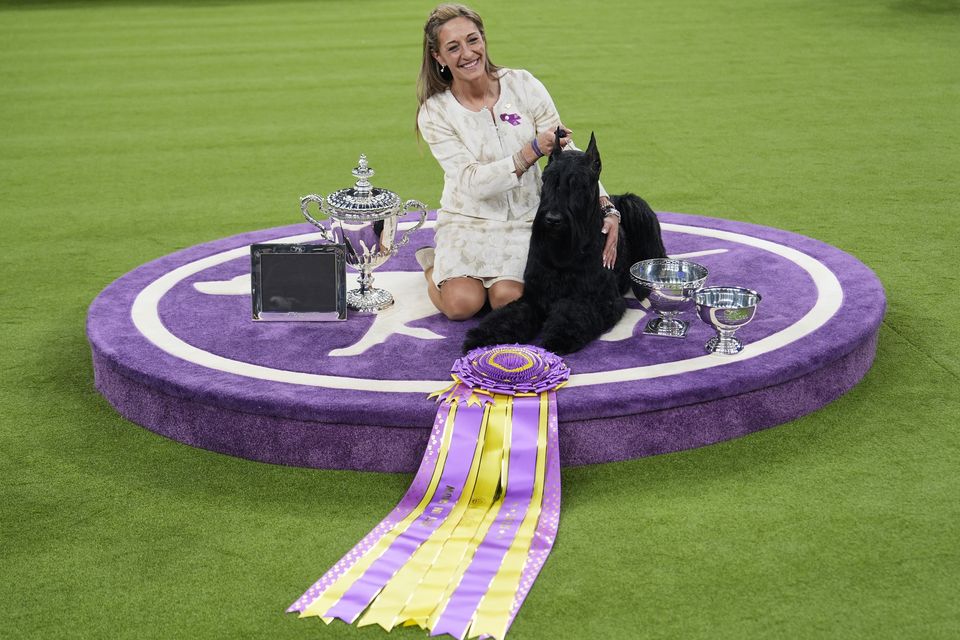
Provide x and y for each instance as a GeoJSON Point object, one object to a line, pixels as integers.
{"type": "Point", "coordinates": [443, 68]}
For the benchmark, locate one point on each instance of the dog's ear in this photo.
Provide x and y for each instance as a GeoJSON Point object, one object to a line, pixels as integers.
{"type": "Point", "coordinates": [593, 155]}
{"type": "Point", "coordinates": [559, 133]}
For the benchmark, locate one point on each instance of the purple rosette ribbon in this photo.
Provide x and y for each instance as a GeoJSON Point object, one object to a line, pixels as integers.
{"type": "Point", "coordinates": [506, 369]}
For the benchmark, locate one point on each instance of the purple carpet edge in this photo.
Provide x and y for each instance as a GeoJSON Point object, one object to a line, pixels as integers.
{"type": "Point", "coordinates": [311, 444]}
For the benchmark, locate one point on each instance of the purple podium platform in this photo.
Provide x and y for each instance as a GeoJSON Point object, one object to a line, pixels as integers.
{"type": "Point", "coordinates": [175, 350]}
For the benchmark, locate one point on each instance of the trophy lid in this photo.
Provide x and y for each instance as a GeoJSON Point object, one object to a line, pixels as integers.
{"type": "Point", "coordinates": [362, 201]}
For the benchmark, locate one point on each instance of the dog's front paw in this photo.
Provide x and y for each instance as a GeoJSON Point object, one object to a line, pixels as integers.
{"type": "Point", "coordinates": [562, 345]}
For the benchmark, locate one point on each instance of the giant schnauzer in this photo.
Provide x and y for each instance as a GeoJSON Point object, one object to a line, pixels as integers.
{"type": "Point", "coordinates": [569, 298]}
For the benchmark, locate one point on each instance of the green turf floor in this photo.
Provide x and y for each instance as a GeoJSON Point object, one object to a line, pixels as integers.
{"type": "Point", "coordinates": [130, 129]}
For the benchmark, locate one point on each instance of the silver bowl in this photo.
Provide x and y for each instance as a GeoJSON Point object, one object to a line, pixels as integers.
{"type": "Point", "coordinates": [726, 309]}
{"type": "Point", "coordinates": [669, 285]}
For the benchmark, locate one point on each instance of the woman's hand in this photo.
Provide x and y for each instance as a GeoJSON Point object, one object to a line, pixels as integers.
{"type": "Point", "coordinates": [547, 140]}
{"type": "Point", "coordinates": [542, 145]}
{"type": "Point", "coordinates": [611, 228]}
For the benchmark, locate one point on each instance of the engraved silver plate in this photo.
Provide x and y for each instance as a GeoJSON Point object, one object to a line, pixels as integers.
{"type": "Point", "coordinates": [298, 282]}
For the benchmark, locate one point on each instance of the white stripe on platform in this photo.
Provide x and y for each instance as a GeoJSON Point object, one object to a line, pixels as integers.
{"type": "Point", "coordinates": [146, 318]}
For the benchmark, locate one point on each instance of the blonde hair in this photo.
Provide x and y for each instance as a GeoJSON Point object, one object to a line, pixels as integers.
{"type": "Point", "coordinates": [431, 81]}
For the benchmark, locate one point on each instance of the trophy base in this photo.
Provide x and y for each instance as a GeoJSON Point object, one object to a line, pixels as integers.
{"type": "Point", "coordinates": [369, 301]}
{"type": "Point", "coordinates": [666, 328]}
{"type": "Point", "coordinates": [723, 346]}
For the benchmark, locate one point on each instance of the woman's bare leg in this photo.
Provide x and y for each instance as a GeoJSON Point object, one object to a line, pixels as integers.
{"type": "Point", "coordinates": [503, 292]}
{"type": "Point", "coordinates": [459, 298]}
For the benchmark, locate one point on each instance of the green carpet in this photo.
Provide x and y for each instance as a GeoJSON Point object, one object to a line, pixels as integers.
{"type": "Point", "coordinates": [130, 129]}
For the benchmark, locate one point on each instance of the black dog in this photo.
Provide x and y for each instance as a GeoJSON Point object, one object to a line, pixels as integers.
{"type": "Point", "coordinates": [569, 298]}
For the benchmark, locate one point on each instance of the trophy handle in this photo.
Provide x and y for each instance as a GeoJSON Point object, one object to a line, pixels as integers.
{"type": "Point", "coordinates": [304, 203]}
{"type": "Point", "coordinates": [411, 205]}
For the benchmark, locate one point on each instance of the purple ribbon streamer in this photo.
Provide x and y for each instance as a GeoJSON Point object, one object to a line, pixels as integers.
{"type": "Point", "coordinates": [414, 495]}
{"type": "Point", "coordinates": [463, 602]}
{"type": "Point", "coordinates": [549, 521]}
{"type": "Point", "coordinates": [462, 447]}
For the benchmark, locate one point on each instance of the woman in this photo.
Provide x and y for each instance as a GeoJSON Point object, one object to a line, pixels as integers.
{"type": "Point", "coordinates": [487, 126]}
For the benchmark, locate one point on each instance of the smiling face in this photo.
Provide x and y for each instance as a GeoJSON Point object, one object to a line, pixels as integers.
{"type": "Point", "coordinates": [461, 48]}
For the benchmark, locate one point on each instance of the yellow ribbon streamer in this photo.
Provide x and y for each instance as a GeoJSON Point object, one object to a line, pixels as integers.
{"type": "Point", "coordinates": [493, 613]}
{"type": "Point", "coordinates": [386, 608]}
{"type": "Point", "coordinates": [445, 575]}
{"type": "Point", "coordinates": [335, 591]}
{"type": "Point", "coordinates": [507, 403]}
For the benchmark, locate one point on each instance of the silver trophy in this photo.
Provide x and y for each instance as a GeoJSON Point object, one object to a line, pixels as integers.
{"type": "Point", "coordinates": [726, 309]}
{"type": "Point", "coordinates": [671, 284]}
{"type": "Point", "coordinates": [364, 219]}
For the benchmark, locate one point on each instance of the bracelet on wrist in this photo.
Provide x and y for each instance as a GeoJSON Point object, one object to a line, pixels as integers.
{"type": "Point", "coordinates": [536, 148]}
{"type": "Point", "coordinates": [520, 163]}
{"type": "Point", "coordinates": [610, 210]}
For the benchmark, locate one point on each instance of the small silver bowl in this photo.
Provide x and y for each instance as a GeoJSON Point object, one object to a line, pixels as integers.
{"type": "Point", "coordinates": [669, 285]}
{"type": "Point", "coordinates": [726, 309]}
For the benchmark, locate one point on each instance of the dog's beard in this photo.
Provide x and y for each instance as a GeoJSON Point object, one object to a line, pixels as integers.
{"type": "Point", "coordinates": [557, 246]}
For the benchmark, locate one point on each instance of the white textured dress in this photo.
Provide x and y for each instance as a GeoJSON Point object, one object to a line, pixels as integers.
{"type": "Point", "coordinates": [486, 212]}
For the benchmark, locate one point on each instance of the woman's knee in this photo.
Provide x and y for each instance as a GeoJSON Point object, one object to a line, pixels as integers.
{"type": "Point", "coordinates": [461, 308]}
{"type": "Point", "coordinates": [504, 292]}
{"type": "Point", "coordinates": [462, 300]}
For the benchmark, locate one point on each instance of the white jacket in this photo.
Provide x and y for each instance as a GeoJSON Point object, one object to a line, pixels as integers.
{"type": "Point", "coordinates": [476, 151]}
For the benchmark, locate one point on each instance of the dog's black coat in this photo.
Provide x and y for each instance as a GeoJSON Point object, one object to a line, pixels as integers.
{"type": "Point", "coordinates": [569, 297]}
